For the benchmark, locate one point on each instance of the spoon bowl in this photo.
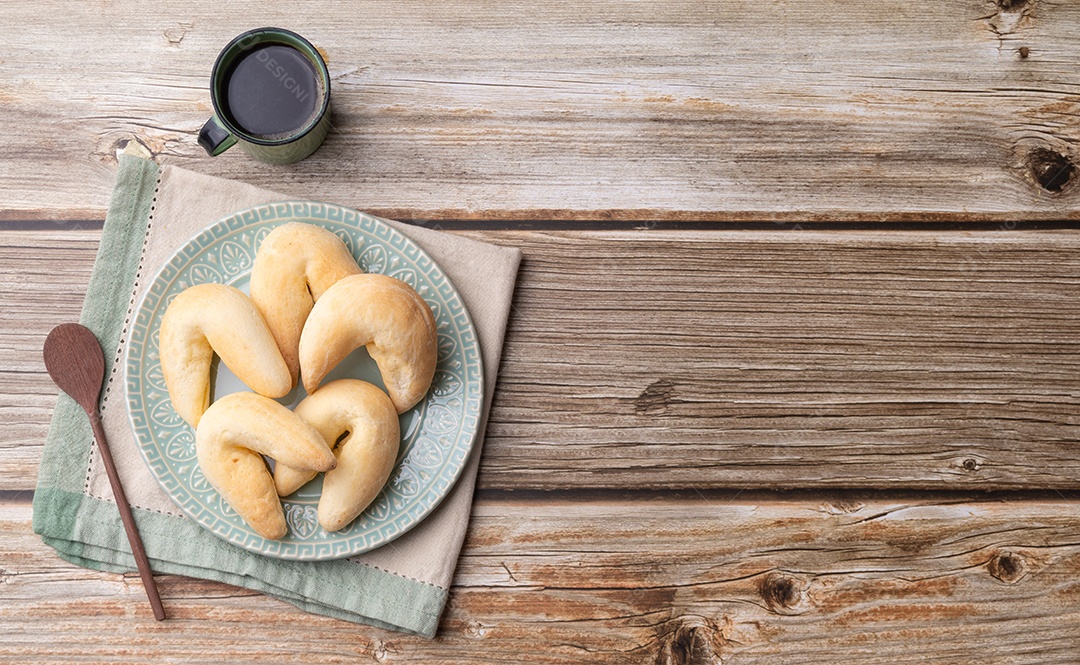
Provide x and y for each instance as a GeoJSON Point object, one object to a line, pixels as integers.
{"type": "Point", "coordinates": [76, 363]}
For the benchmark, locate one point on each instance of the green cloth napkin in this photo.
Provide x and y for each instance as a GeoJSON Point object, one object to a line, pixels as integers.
{"type": "Point", "coordinates": [401, 586]}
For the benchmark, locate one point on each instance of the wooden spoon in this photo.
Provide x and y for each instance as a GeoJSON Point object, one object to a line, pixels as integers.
{"type": "Point", "coordinates": [75, 362]}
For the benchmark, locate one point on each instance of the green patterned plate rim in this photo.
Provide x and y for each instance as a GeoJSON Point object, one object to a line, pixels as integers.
{"type": "Point", "coordinates": [437, 434]}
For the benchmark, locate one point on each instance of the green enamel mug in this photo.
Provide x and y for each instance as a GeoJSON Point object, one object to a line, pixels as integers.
{"type": "Point", "coordinates": [271, 94]}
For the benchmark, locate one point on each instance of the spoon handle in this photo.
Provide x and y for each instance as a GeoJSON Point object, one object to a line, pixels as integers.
{"type": "Point", "coordinates": [126, 517]}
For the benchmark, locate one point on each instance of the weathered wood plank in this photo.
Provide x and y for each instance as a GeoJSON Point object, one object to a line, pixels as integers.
{"type": "Point", "coordinates": [790, 358]}
{"type": "Point", "coordinates": [680, 580]}
{"type": "Point", "coordinates": [719, 359]}
{"type": "Point", "coordinates": [43, 278]}
{"type": "Point", "coordinates": [692, 110]}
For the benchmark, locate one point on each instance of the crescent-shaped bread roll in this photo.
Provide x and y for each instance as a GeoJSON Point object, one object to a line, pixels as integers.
{"type": "Point", "coordinates": [365, 456]}
{"type": "Point", "coordinates": [230, 437]}
{"type": "Point", "coordinates": [387, 316]}
{"type": "Point", "coordinates": [295, 264]}
{"type": "Point", "coordinates": [213, 317]}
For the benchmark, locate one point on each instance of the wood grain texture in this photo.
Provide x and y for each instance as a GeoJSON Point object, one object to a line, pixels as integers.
{"type": "Point", "coordinates": [790, 359]}
{"type": "Point", "coordinates": [684, 110]}
{"type": "Point", "coordinates": [43, 278]}
{"type": "Point", "coordinates": [674, 580]}
{"type": "Point", "coordinates": [657, 359]}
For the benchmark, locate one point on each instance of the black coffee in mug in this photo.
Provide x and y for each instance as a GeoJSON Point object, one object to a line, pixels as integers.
{"type": "Point", "coordinates": [271, 91]}
{"type": "Point", "coordinates": [271, 95]}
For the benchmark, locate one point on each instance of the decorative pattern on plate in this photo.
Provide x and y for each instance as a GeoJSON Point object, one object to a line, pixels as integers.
{"type": "Point", "coordinates": [437, 434]}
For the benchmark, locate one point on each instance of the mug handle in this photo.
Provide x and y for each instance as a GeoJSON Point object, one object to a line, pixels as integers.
{"type": "Point", "coordinates": [214, 138]}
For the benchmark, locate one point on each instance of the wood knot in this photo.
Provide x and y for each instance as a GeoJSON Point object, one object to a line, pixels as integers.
{"type": "Point", "coordinates": [175, 35]}
{"type": "Point", "coordinates": [692, 641]}
{"type": "Point", "coordinates": [1011, 5]}
{"type": "Point", "coordinates": [656, 398]}
{"type": "Point", "coordinates": [109, 153]}
{"type": "Point", "coordinates": [379, 652]}
{"type": "Point", "coordinates": [1009, 567]}
{"type": "Point", "coordinates": [476, 629]}
{"type": "Point", "coordinates": [1024, 51]}
{"type": "Point", "coordinates": [1051, 169]}
{"type": "Point", "coordinates": [970, 464]}
{"type": "Point", "coordinates": [842, 507]}
{"type": "Point", "coordinates": [1011, 17]}
{"type": "Point", "coordinates": [783, 594]}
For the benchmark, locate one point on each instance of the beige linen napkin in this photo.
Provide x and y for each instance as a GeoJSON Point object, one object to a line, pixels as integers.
{"type": "Point", "coordinates": [401, 585]}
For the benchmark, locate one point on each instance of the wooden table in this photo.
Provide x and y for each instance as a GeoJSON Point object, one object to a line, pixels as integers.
{"type": "Point", "coordinates": [791, 375]}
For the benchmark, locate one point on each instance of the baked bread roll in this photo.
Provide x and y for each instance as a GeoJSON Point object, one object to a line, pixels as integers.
{"type": "Point", "coordinates": [228, 442]}
{"type": "Point", "coordinates": [387, 316]}
{"type": "Point", "coordinates": [295, 264]}
{"type": "Point", "coordinates": [365, 456]}
{"type": "Point", "coordinates": [214, 317]}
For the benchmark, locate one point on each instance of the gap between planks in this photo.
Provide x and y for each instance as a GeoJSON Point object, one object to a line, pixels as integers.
{"type": "Point", "coordinates": [38, 220]}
